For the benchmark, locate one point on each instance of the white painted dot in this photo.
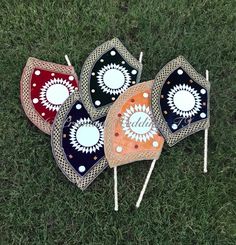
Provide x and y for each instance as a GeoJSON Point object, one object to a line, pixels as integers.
{"type": "Point", "coordinates": [174, 126]}
{"type": "Point", "coordinates": [180, 72]}
{"type": "Point", "coordinates": [35, 100]}
{"type": "Point", "coordinates": [53, 74]}
{"type": "Point", "coordinates": [123, 62]}
{"type": "Point", "coordinates": [93, 73]}
{"type": "Point", "coordinates": [133, 82]}
{"type": "Point", "coordinates": [43, 114]}
{"type": "Point", "coordinates": [101, 60]}
{"type": "Point", "coordinates": [113, 52]}
{"type": "Point", "coordinates": [203, 115]}
{"type": "Point", "coordinates": [155, 144]}
{"type": "Point", "coordinates": [37, 73]}
{"type": "Point", "coordinates": [134, 72]}
{"type": "Point", "coordinates": [57, 94]}
{"type": "Point", "coordinates": [119, 149]}
{"type": "Point", "coordinates": [78, 106]}
{"type": "Point", "coordinates": [34, 84]}
{"type": "Point", "coordinates": [93, 91]}
{"type": "Point", "coordinates": [82, 169]}
{"type": "Point", "coordinates": [71, 78]}
{"type": "Point", "coordinates": [203, 91]}
{"type": "Point", "coordinates": [145, 95]}
{"type": "Point", "coordinates": [97, 102]}
{"type": "Point", "coordinates": [76, 88]}
{"type": "Point", "coordinates": [113, 98]}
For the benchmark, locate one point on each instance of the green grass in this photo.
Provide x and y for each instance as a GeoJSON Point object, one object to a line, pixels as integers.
{"type": "Point", "coordinates": [181, 205]}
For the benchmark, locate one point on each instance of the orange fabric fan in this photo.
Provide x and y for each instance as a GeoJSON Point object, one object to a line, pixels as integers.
{"type": "Point", "coordinates": [130, 133]}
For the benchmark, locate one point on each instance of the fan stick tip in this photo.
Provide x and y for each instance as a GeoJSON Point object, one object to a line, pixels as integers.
{"type": "Point", "coordinates": [67, 60]}
{"type": "Point", "coordinates": [207, 75]}
{"type": "Point", "coordinates": [141, 57]}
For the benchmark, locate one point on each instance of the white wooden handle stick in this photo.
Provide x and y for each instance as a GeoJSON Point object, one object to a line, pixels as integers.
{"type": "Point", "coordinates": [145, 183]}
{"type": "Point", "coordinates": [115, 189]}
{"type": "Point", "coordinates": [141, 57]}
{"type": "Point", "coordinates": [67, 60]}
{"type": "Point", "coordinates": [206, 137]}
{"type": "Point", "coordinates": [115, 168]}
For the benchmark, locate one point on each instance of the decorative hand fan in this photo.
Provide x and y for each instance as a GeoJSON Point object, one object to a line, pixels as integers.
{"type": "Point", "coordinates": [108, 71]}
{"type": "Point", "coordinates": [180, 104]}
{"type": "Point", "coordinates": [183, 107]}
{"type": "Point", "coordinates": [44, 87]}
{"type": "Point", "coordinates": [180, 101]}
{"type": "Point", "coordinates": [130, 134]}
{"type": "Point", "coordinates": [78, 142]}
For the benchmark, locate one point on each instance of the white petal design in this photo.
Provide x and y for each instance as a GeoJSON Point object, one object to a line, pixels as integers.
{"type": "Point", "coordinates": [184, 100]}
{"type": "Point", "coordinates": [137, 123]}
{"type": "Point", "coordinates": [113, 79]}
{"type": "Point", "coordinates": [80, 135]}
{"type": "Point", "coordinates": [55, 92]}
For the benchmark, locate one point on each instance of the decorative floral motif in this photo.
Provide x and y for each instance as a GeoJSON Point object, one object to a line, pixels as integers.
{"type": "Point", "coordinates": [55, 92]}
{"type": "Point", "coordinates": [137, 123]}
{"type": "Point", "coordinates": [113, 79]}
{"type": "Point", "coordinates": [87, 136]}
{"type": "Point", "coordinates": [184, 100]}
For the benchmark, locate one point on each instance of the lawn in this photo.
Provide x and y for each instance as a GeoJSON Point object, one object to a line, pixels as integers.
{"type": "Point", "coordinates": [182, 205]}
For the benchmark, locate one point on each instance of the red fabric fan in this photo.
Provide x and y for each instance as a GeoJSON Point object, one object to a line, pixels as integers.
{"type": "Point", "coordinates": [44, 87]}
